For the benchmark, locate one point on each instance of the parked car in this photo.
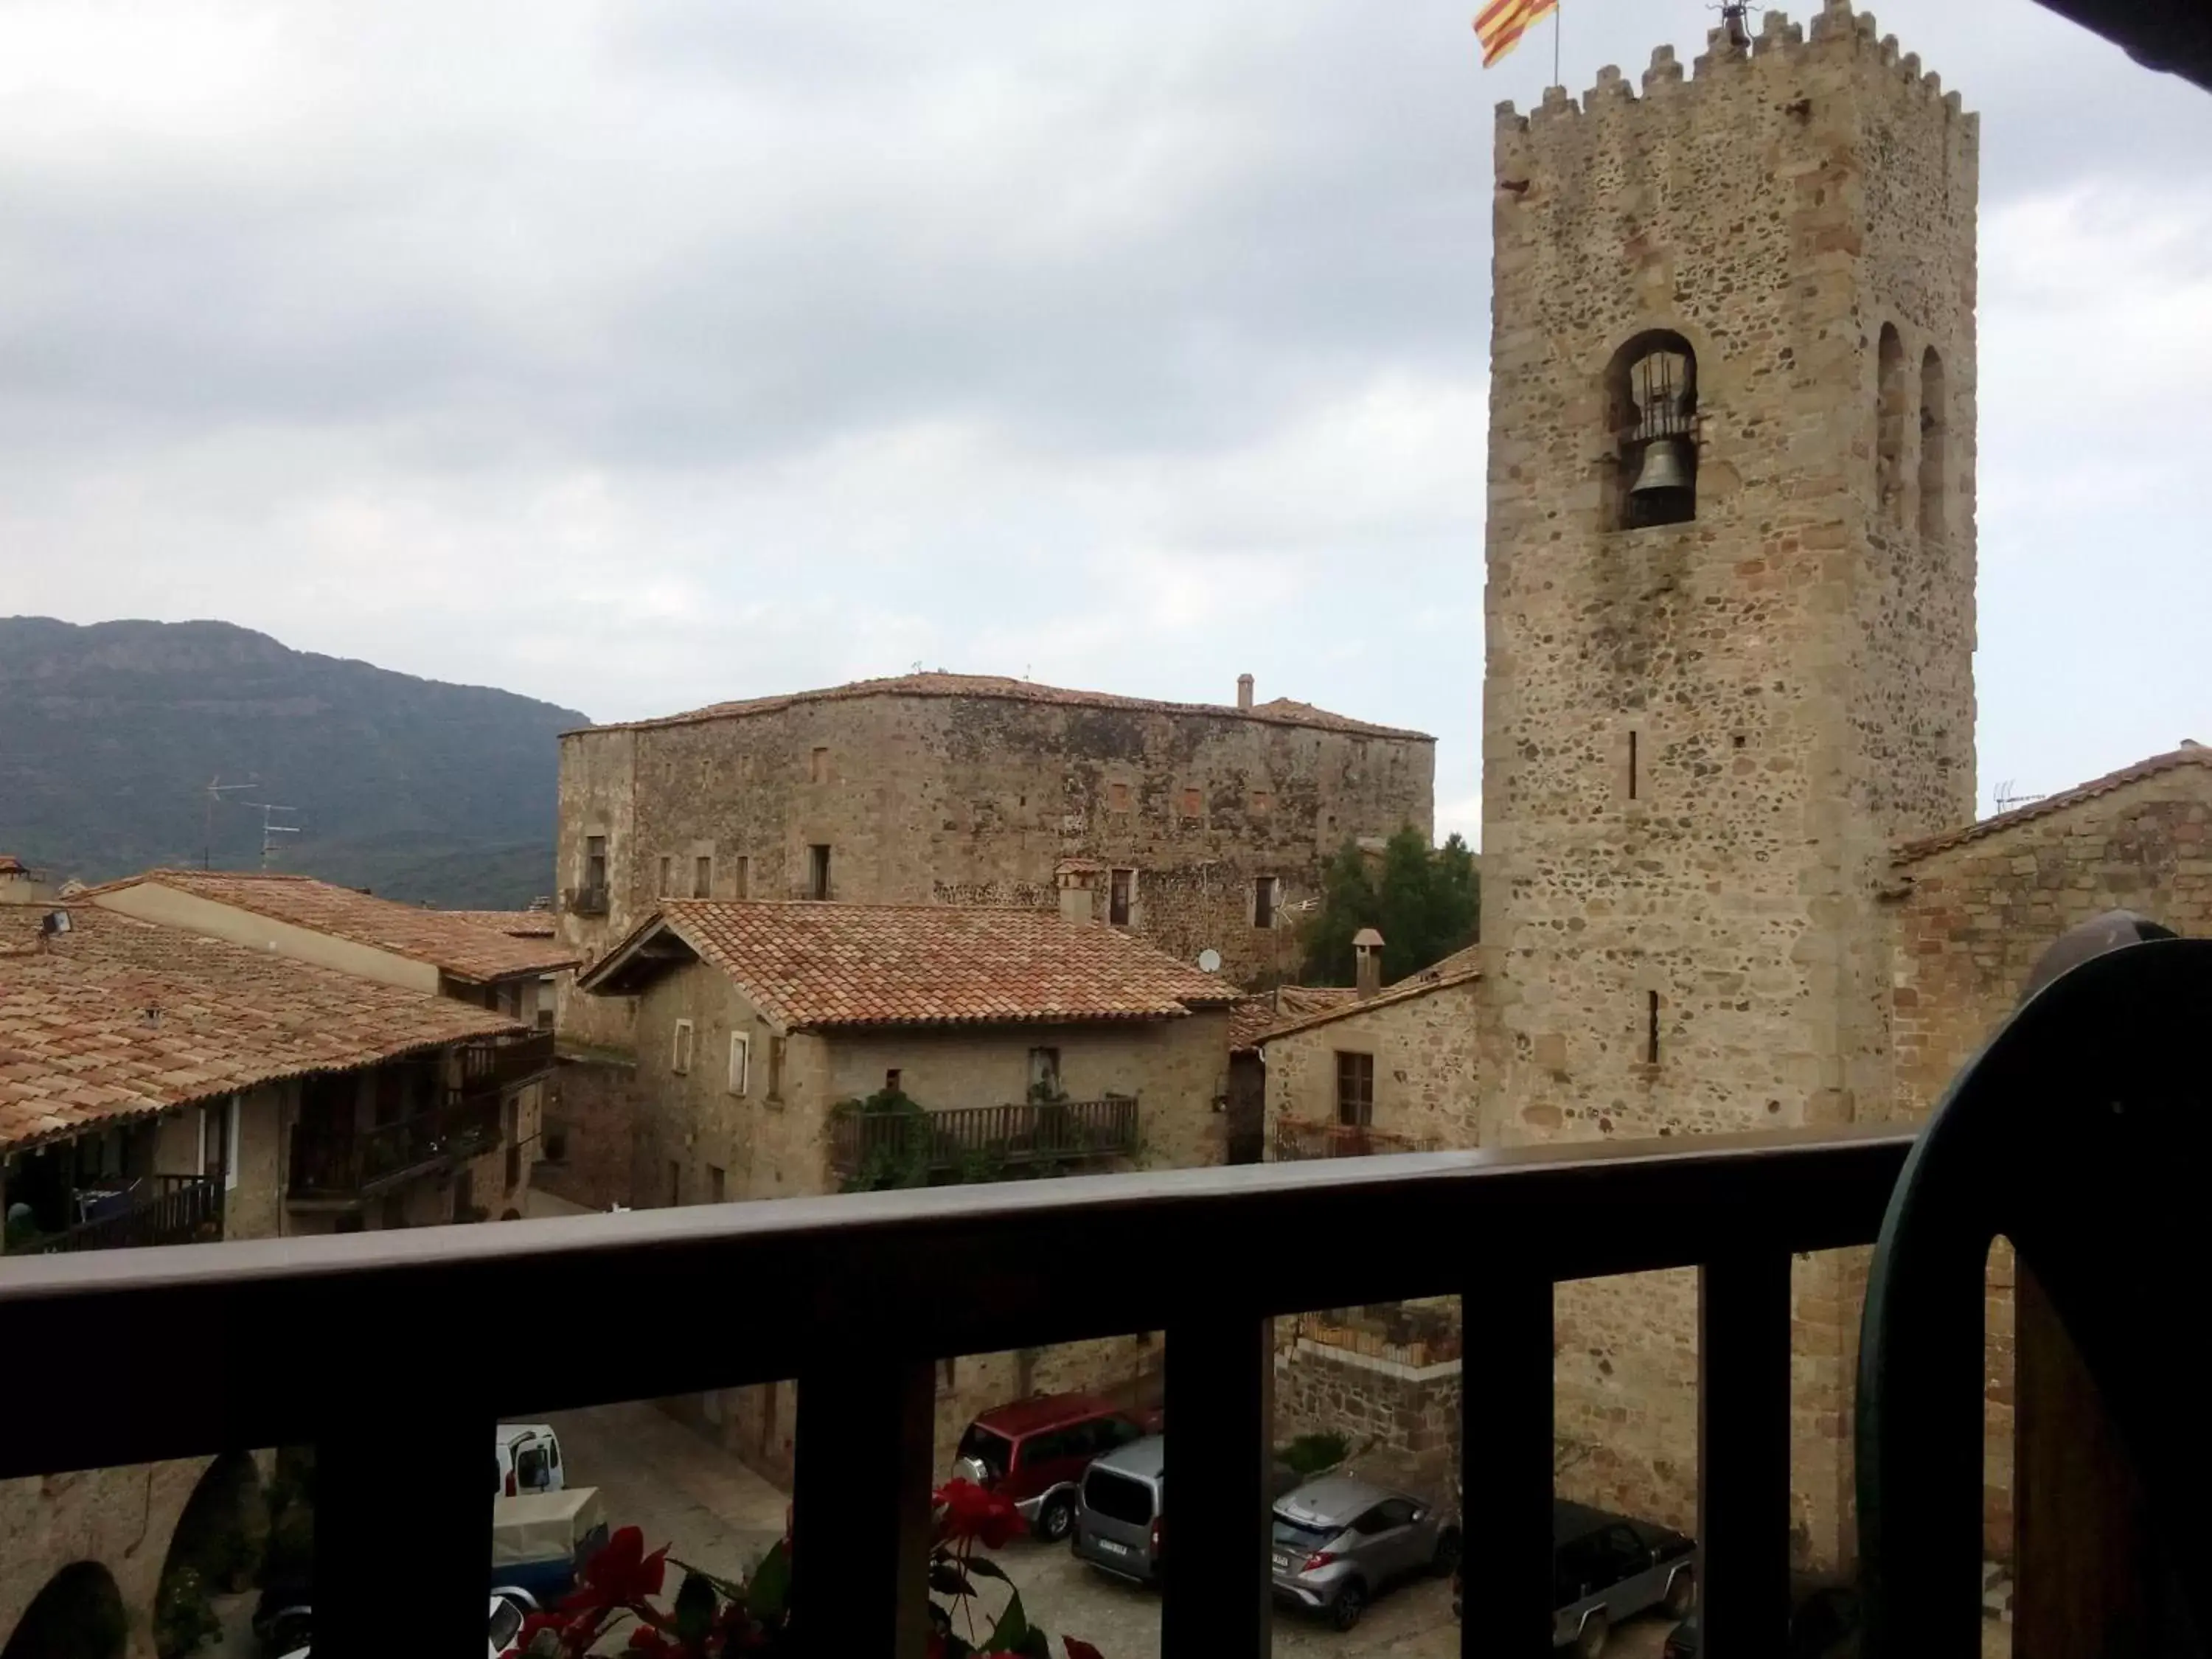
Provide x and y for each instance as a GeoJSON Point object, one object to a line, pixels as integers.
{"type": "Point", "coordinates": [1034, 1451]}
{"type": "Point", "coordinates": [505, 1626]}
{"type": "Point", "coordinates": [1117, 1515]}
{"type": "Point", "coordinates": [526, 1457]}
{"type": "Point", "coordinates": [1338, 1541]}
{"type": "Point", "coordinates": [1606, 1568]}
{"type": "Point", "coordinates": [541, 1541]}
{"type": "Point", "coordinates": [1824, 1622]}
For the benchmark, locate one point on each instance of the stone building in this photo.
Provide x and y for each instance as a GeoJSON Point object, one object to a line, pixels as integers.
{"type": "Point", "coordinates": [1209, 822]}
{"type": "Point", "coordinates": [160, 1087]}
{"type": "Point", "coordinates": [1030, 1042]}
{"type": "Point", "coordinates": [1730, 618]}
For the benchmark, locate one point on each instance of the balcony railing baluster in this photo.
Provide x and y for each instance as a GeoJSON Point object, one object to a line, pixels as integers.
{"type": "Point", "coordinates": [1743, 1453]}
{"type": "Point", "coordinates": [862, 1502]}
{"type": "Point", "coordinates": [1216, 1599]}
{"type": "Point", "coordinates": [1505, 1465]}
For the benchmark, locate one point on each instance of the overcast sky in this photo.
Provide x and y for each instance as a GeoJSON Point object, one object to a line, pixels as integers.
{"type": "Point", "coordinates": [637, 354]}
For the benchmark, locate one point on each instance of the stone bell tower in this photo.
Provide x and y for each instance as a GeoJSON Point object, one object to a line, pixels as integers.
{"type": "Point", "coordinates": [1730, 620]}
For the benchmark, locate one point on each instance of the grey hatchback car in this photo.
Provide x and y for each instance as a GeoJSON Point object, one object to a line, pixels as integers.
{"type": "Point", "coordinates": [1338, 1541]}
{"type": "Point", "coordinates": [1117, 1509]}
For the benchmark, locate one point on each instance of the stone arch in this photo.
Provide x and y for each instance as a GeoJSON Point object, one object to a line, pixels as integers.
{"type": "Point", "coordinates": [1652, 416]}
{"type": "Point", "coordinates": [216, 1545]}
{"type": "Point", "coordinates": [78, 1614]}
{"type": "Point", "coordinates": [1889, 425]}
{"type": "Point", "coordinates": [1934, 410]}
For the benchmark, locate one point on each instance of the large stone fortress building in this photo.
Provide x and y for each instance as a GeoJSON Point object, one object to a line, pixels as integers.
{"type": "Point", "coordinates": [1198, 827]}
{"type": "Point", "coordinates": [1730, 632]}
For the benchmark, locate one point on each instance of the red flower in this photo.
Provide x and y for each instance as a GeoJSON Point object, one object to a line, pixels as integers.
{"type": "Point", "coordinates": [966, 1510]}
{"type": "Point", "coordinates": [1080, 1650]}
{"type": "Point", "coordinates": [619, 1575]}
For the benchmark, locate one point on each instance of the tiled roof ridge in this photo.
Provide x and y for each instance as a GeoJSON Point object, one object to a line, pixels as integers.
{"type": "Point", "coordinates": [1278, 711]}
{"type": "Point", "coordinates": [2191, 753]}
{"type": "Point", "coordinates": [1404, 991]}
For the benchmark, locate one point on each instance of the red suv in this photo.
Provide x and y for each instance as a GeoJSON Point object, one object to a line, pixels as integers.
{"type": "Point", "coordinates": [1035, 1449]}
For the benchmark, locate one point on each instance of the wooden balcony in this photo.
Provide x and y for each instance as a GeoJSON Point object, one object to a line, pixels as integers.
{"type": "Point", "coordinates": [344, 1168]}
{"type": "Point", "coordinates": [1297, 1140]}
{"type": "Point", "coordinates": [158, 1210]}
{"type": "Point", "coordinates": [497, 1067]}
{"type": "Point", "coordinates": [852, 1296]}
{"type": "Point", "coordinates": [1068, 1132]}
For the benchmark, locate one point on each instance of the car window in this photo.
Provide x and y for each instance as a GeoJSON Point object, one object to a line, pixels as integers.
{"type": "Point", "coordinates": [1299, 1535]}
{"type": "Point", "coordinates": [1577, 1568]}
{"type": "Point", "coordinates": [505, 1624]}
{"type": "Point", "coordinates": [530, 1470]}
{"type": "Point", "coordinates": [1624, 1553]}
{"type": "Point", "coordinates": [1117, 1431]}
{"type": "Point", "coordinates": [1048, 1447]}
{"type": "Point", "coordinates": [1117, 1497]}
{"type": "Point", "coordinates": [989, 1448]}
{"type": "Point", "coordinates": [1397, 1512]}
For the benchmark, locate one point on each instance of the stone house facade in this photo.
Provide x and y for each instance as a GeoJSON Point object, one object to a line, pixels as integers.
{"type": "Point", "coordinates": [1032, 1043]}
{"type": "Point", "coordinates": [1731, 617]}
{"type": "Point", "coordinates": [1209, 822]}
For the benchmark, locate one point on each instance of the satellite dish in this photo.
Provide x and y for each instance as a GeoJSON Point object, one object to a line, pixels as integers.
{"type": "Point", "coordinates": [1209, 960]}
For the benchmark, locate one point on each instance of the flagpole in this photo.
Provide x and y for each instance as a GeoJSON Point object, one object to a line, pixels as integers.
{"type": "Point", "coordinates": [1555, 11]}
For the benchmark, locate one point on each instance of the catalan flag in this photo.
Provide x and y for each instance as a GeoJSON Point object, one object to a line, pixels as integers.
{"type": "Point", "coordinates": [1501, 24]}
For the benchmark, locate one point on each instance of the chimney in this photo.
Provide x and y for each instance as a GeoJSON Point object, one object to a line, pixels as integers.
{"type": "Point", "coordinates": [1077, 881]}
{"type": "Point", "coordinates": [1244, 692]}
{"type": "Point", "coordinates": [1367, 954]}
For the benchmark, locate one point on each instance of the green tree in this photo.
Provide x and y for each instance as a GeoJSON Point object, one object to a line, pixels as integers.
{"type": "Point", "coordinates": [1425, 901]}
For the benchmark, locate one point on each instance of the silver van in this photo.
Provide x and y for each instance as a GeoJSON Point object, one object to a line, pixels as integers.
{"type": "Point", "coordinates": [1117, 1512]}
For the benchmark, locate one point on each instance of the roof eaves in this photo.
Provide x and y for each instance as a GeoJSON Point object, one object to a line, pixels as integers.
{"type": "Point", "coordinates": [1401, 991]}
{"type": "Point", "coordinates": [2190, 754]}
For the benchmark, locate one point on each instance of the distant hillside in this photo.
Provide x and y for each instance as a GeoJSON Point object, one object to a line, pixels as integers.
{"type": "Point", "coordinates": [109, 735]}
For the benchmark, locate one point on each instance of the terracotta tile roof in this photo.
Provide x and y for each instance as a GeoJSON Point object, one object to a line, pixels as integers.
{"type": "Point", "coordinates": [2190, 754]}
{"type": "Point", "coordinates": [515, 924]}
{"type": "Point", "coordinates": [808, 964]}
{"type": "Point", "coordinates": [12, 865]}
{"type": "Point", "coordinates": [1417, 985]}
{"type": "Point", "coordinates": [1282, 711]}
{"type": "Point", "coordinates": [446, 939]}
{"type": "Point", "coordinates": [1253, 1019]}
{"type": "Point", "coordinates": [78, 1046]}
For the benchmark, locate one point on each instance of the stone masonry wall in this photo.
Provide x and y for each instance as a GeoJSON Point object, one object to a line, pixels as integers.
{"type": "Point", "coordinates": [1701, 739]}
{"type": "Point", "coordinates": [122, 1519]}
{"type": "Point", "coordinates": [1425, 1070]}
{"type": "Point", "coordinates": [976, 799]}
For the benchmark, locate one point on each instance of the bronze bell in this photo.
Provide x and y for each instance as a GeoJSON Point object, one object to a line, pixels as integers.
{"type": "Point", "coordinates": [1662, 468]}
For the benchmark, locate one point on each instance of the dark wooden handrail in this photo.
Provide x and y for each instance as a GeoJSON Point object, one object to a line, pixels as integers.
{"type": "Point", "coordinates": [171, 1210]}
{"type": "Point", "coordinates": [857, 1296]}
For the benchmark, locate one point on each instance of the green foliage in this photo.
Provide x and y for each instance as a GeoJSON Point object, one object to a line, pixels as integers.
{"type": "Point", "coordinates": [289, 1557]}
{"type": "Point", "coordinates": [1309, 1454]}
{"type": "Point", "coordinates": [892, 1157]}
{"type": "Point", "coordinates": [1426, 903]}
{"type": "Point", "coordinates": [184, 1618]}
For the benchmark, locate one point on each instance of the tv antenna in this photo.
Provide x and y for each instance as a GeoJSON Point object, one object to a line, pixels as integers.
{"type": "Point", "coordinates": [1733, 14]}
{"type": "Point", "coordinates": [271, 829]}
{"type": "Point", "coordinates": [217, 789]}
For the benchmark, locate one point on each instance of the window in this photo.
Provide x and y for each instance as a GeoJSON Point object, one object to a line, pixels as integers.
{"type": "Point", "coordinates": [818, 871]}
{"type": "Point", "coordinates": [1118, 797]}
{"type": "Point", "coordinates": [1652, 395]}
{"type": "Point", "coordinates": [1355, 1088]}
{"type": "Point", "coordinates": [1193, 804]}
{"type": "Point", "coordinates": [679, 1053]}
{"type": "Point", "coordinates": [675, 1183]}
{"type": "Point", "coordinates": [745, 883]}
{"type": "Point", "coordinates": [545, 1002]}
{"type": "Point", "coordinates": [1121, 896]}
{"type": "Point", "coordinates": [219, 1141]}
{"type": "Point", "coordinates": [775, 1068]}
{"type": "Point", "coordinates": [1263, 901]}
{"type": "Point", "coordinates": [892, 1081]}
{"type": "Point", "coordinates": [1932, 402]}
{"type": "Point", "coordinates": [818, 766]}
{"type": "Point", "coordinates": [1262, 803]}
{"type": "Point", "coordinates": [1044, 1074]}
{"type": "Point", "coordinates": [717, 1183]}
{"type": "Point", "coordinates": [703, 876]}
{"type": "Point", "coordinates": [1889, 425]}
{"type": "Point", "coordinates": [666, 887]}
{"type": "Point", "coordinates": [1651, 1028]}
{"type": "Point", "coordinates": [595, 861]}
{"type": "Point", "coordinates": [1633, 759]}
{"type": "Point", "coordinates": [741, 1062]}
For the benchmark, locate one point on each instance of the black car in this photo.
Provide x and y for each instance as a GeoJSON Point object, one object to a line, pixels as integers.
{"type": "Point", "coordinates": [1606, 1568]}
{"type": "Point", "coordinates": [1823, 1624]}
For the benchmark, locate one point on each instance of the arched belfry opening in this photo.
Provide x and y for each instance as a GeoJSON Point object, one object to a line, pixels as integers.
{"type": "Point", "coordinates": [1652, 401]}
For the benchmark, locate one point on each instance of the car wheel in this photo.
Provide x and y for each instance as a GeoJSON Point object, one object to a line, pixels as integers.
{"type": "Point", "coordinates": [288, 1634]}
{"type": "Point", "coordinates": [1350, 1602]}
{"type": "Point", "coordinates": [1590, 1641]}
{"type": "Point", "coordinates": [1682, 1594]}
{"type": "Point", "coordinates": [1445, 1561]}
{"type": "Point", "coordinates": [1055, 1518]}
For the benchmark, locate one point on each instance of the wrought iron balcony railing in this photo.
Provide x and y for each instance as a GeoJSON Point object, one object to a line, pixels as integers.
{"type": "Point", "coordinates": [851, 1296]}
{"type": "Point", "coordinates": [1053, 1132]}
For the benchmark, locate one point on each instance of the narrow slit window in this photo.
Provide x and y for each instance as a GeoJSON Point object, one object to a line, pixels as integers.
{"type": "Point", "coordinates": [818, 871]}
{"type": "Point", "coordinates": [703, 877]}
{"type": "Point", "coordinates": [1650, 1028]}
{"type": "Point", "coordinates": [1932, 459]}
{"type": "Point", "coordinates": [1632, 762]}
{"type": "Point", "coordinates": [745, 883]}
{"type": "Point", "coordinates": [1263, 901]}
{"type": "Point", "coordinates": [667, 876]}
{"type": "Point", "coordinates": [1121, 896]}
